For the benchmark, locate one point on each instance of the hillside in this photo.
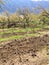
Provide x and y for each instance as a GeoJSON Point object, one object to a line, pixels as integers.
{"type": "Point", "coordinates": [24, 33]}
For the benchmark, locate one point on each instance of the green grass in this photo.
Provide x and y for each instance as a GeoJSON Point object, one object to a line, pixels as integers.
{"type": "Point", "coordinates": [10, 38]}
{"type": "Point", "coordinates": [12, 30]}
{"type": "Point", "coordinates": [18, 37]}
{"type": "Point", "coordinates": [18, 30]}
{"type": "Point", "coordinates": [46, 26]}
{"type": "Point", "coordinates": [36, 34]}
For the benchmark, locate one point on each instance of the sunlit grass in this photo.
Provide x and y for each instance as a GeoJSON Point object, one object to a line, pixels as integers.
{"type": "Point", "coordinates": [10, 38]}
{"type": "Point", "coordinates": [14, 30]}
{"type": "Point", "coordinates": [17, 37]}
{"type": "Point", "coordinates": [17, 30]}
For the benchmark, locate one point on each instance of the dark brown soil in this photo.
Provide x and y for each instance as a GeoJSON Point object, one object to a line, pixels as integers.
{"type": "Point", "coordinates": [24, 51]}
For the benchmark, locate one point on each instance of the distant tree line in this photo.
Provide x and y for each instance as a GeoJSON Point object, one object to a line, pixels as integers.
{"type": "Point", "coordinates": [24, 18]}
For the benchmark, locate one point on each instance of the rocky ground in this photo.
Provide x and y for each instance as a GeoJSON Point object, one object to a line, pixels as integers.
{"type": "Point", "coordinates": [26, 51]}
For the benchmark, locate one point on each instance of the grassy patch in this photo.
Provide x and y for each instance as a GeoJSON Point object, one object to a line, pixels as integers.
{"type": "Point", "coordinates": [9, 31]}
{"type": "Point", "coordinates": [10, 38]}
{"type": "Point", "coordinates": [18, 37]}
